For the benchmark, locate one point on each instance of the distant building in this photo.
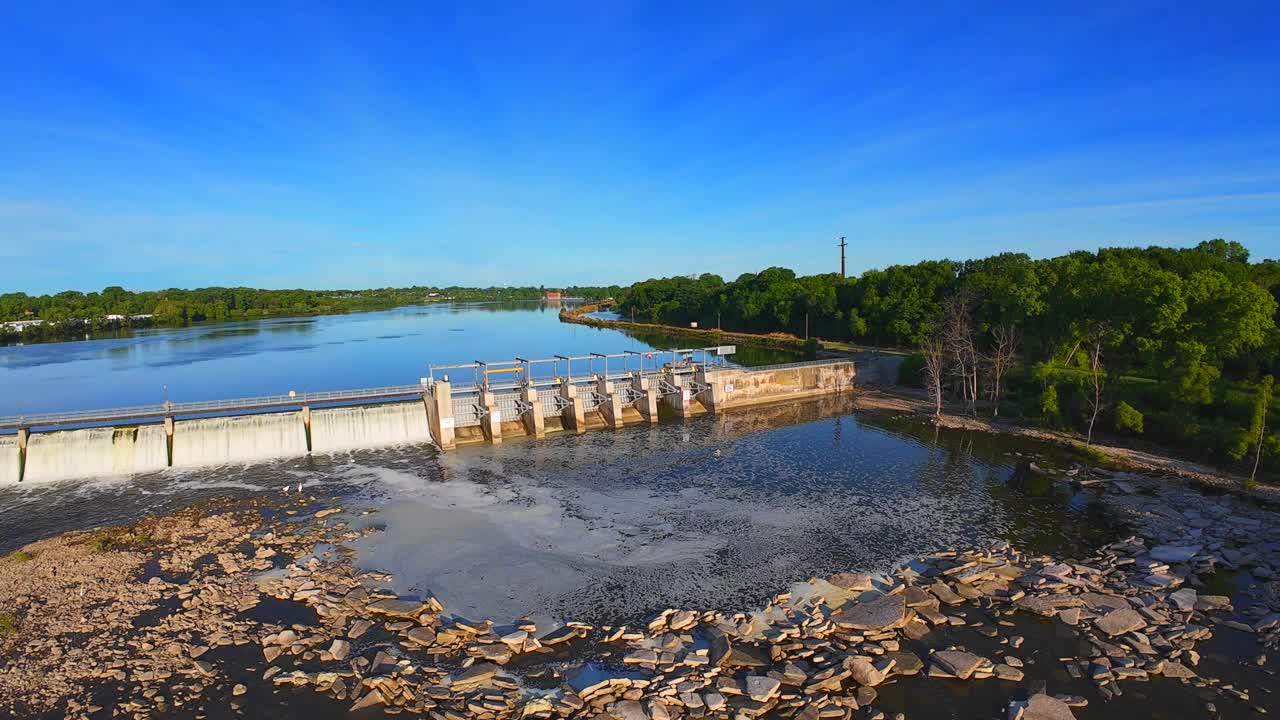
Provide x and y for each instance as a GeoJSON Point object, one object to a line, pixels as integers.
{"type": "Point", "coordinates": [553, 296]}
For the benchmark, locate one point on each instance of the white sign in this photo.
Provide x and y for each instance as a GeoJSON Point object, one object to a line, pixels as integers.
{"type": "Point", "coordinates": [726, 349]}
{"type": "Point", "coordinates": [728, 388]}
{"type": "Point", "coordinates": [446, 423]}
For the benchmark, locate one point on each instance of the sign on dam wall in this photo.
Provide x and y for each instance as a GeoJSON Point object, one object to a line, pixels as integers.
{"type": "Point", "coordinates": [443, 414]}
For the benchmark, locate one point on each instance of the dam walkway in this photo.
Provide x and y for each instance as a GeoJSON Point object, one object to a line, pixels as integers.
{"type": "Point", "coordinates": [481, 401]}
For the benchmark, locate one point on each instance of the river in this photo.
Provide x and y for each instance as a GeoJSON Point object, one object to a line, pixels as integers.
{"type": "Point", "coordinates": [213, 361]}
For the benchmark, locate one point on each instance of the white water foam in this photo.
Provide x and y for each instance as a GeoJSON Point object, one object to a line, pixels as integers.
{"type": "Point", "coordinates": [368, 426]}
{"type": "Point", "coordinates": [8, 459]}
{"type": "Point", "coordinates": [94, 452]}
{"type": "Point", "coordinates": [217, 441]}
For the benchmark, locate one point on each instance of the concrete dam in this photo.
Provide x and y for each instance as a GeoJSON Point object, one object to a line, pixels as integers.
{"type": "Point", "coordinates": [454, 405]}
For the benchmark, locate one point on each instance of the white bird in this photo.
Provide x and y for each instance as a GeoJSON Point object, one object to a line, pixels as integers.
{"type": "Point", "coordinates": [299, 487]}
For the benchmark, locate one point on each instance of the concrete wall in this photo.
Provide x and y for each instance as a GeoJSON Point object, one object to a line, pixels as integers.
{"type": "Point", "coordinates": [742, 387]}
{"type": "Point", "coordinates": [95, 452]}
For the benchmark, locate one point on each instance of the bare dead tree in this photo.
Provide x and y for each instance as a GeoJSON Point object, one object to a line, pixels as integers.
{"type": "Point", "coordinates": [934, 351]}
{"type": "Point", "coordinates": [1005, 339]}
{"type": "Point", "coordinates": [1097, 378]}
{"type": "Point", "coordinates": [962, 347]}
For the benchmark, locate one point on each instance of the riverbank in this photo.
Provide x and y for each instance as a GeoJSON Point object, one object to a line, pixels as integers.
{"type": "Point", "coordinates": [907, 400]}
{"type": "Point", "coordinates": [779, 341]}
{"type": "Point", "coordinates": [255, 609]}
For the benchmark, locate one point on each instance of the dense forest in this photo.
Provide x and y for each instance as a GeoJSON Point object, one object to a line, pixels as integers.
{"type": "Point", "coordinates": [73, 313]}
{"type": "Point", "coordinates": [1170, 344]}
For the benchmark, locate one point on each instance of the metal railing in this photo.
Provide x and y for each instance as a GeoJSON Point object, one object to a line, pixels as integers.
{"type": "Point", "coordinates": [207, 407]}
{"type": "Point", "coordinates": [784, 366]}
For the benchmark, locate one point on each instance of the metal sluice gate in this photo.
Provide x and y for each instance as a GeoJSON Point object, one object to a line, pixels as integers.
{"type": "Point", "coordinates": [501, 389]}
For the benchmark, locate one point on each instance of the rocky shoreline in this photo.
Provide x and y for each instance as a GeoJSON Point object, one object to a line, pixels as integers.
{"type": "Point", "coordinates": [255, 608]}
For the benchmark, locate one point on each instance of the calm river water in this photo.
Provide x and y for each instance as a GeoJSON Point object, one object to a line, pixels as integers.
{"type": "Point", "coordinates": [263, 357]}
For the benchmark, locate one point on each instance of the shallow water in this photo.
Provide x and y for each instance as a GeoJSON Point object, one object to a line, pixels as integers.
{"type": "Point", "coordinates": [607, 526]}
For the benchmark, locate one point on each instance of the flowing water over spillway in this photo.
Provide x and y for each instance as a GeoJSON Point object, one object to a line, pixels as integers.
{"type": "Point", "coordinates": [715, 512]}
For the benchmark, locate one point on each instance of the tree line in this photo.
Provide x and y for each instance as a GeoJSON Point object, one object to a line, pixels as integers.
{"type": "Point", "coordinates": [1170, 343]}
{"type": "Point", "coordinates": [73, 313]}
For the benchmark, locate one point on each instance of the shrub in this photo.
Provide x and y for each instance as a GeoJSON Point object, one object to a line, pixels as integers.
{"type": "Point", "coordinates": [8, 625]}
{"type": "Point", "coordinates": [1128, 418]}
{"type": "Point", "coordinates": [911, 371]}
{"type": "Point", "coordinates": [1049, 408]}
{"type": "Point", "coordinates": [1093, 454]}
{"type": "Point", "coordinates": [20, 556]}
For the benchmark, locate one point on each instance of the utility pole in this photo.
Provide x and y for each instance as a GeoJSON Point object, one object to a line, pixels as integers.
{"type": "Point", "coordinates": [843, 245]}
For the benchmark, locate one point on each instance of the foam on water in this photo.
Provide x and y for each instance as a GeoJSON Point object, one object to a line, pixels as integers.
{"type": "Point", "coordinates": [216, 441]}
{"type": "Point", "coordinates": [368, 426]}
{"type": "Point", "coordinates": [8, 459]}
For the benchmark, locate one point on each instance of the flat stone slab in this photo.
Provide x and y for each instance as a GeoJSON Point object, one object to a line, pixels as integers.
{"type": "Point", "coordinates": [1119, 622]}
{"type": "Point", "coordinates": [475, 675]}
{"type": "Point", "coordinates": [851, 581]}
{"type": "Point", "coordinates": [761, 688]}
{"type": "Point", "coordinates": [1099, 601]}
{"type": "Point", "coordinates": [882, 613]}
{"type": "Point", "coordinates": [1174, 553]}
{"type": "Point", "coordinates": [727, 654]}
{"type": "Point", "coordinates": [396, 608]}
{"type": "Point", "coordinates": [1040, 707]}
{"type": "Point", "coordinates": [958, 663]}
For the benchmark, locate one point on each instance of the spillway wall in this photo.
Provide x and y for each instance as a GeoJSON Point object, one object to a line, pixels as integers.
{"type": "Point", "coordinates": [98, 452]}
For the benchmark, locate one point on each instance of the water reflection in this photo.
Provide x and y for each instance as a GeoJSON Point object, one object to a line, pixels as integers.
{"type": "Point", "coordinates": [258, 357]}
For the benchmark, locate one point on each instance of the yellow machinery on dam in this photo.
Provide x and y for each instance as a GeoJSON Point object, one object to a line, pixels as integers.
{"type": "Point", "coordinates": [454, 404]}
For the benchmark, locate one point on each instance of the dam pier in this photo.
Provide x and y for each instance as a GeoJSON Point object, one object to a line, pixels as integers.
{"type": "Point", "coordinates": [458, 404]}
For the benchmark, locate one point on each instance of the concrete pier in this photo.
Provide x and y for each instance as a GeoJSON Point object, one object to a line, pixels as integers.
{"type": "Point", "coordinates": [490, 418]}
{"type": "Point", "coordinates": [574, 416]}
{"type": "Point", "coordinates": [306, 424]}
{"type": "Point", "coordinates": [535, 423]}
{"type": "Point", "coordinates": [169, 429]}
{"type": "Point", "coordinates": [611, 408]}
{"type": "Point", "coordinates": [681, 401]}
{"type": "Point", "coordinates": [648, 405]}
{"type": "Point", "coordinates": [438, 398]}
{"type": "Point", "coordinates": [24, 437]}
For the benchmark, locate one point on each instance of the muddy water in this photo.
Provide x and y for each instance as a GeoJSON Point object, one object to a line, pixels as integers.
{"type": "Point", "coordinates": [608, 526]}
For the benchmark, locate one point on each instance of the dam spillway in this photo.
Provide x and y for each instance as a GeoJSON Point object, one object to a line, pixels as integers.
{"type": "Point", "coordinates": [437, 411]}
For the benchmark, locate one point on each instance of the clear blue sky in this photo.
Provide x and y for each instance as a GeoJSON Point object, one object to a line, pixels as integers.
{"type": "Point", "coordinates": [327, 145]}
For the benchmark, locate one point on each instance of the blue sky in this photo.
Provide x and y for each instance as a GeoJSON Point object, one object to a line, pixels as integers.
{"type": "Point", "coordinates": [325, 145]}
